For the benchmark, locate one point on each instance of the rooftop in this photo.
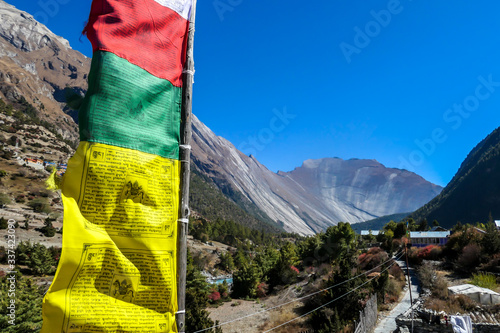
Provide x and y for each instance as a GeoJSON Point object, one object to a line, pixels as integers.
{"type": "Point", "coordinates": [429, 234]}
{"type": "Point", "coordinates": [367, 232]}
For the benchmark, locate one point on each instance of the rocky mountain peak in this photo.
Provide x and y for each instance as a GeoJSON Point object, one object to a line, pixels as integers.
{"type": "Point", "coordinates": [22, 31]}
{"type": "Point", "coordinates": [37, 65]}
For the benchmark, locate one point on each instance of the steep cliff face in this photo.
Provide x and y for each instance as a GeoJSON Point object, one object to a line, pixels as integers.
{"type": "Point", "coordinates": [38, 65]}
{"type": "Point", "coordinates": [314, 196]}
{"type": "Point", "coordinates": [367, 188]}
{"type": "Point", "coordinates": [248, 182]}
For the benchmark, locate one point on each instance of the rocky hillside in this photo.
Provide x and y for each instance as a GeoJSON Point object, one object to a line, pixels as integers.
{"type": "Point", "coordinates": [473, 193]}
{"type": "Point", "coordinates": [37, 65]}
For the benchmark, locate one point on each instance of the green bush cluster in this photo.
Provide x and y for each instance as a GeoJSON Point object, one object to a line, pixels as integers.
{"type": "Point", "coordinates": [484, 280]}
{"type": "Point", "coordinates": [40, 205]}
{"type": "Point", "coordinates": [39, 259]}
{"type": "Point", "coordinates": [28, 298]}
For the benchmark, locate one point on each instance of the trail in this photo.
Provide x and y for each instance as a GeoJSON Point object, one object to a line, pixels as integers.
{"type": "Point", "coordinates": [387, 324]}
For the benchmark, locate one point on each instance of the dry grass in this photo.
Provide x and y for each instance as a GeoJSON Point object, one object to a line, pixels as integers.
{"type": "Point", "coordinates": [452, 304]}
{"type": "Point", "coordinates": [283, 315]}
{"type": "Point", "coordinates": [440, 287]}
{"type": "Point", "coordinates": [440, 300]}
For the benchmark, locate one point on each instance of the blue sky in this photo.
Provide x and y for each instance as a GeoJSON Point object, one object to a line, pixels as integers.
{"type": "Point", "coordinates": [412, 84]}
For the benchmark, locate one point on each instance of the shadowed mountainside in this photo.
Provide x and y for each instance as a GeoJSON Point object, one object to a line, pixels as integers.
{"type": "Point", "coordinates": [473, 193]}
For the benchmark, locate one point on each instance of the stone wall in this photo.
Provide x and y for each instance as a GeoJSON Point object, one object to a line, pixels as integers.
{"type": "Point", "coordinates": [423, 326]}
{"type": "Point", "coordinates": [368, 317]}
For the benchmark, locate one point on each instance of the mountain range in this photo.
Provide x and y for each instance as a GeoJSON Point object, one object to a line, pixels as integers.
{"type": "Point", "coordinates": [318, 194]}
{"type": "Point", "coordinates": [37, 66]}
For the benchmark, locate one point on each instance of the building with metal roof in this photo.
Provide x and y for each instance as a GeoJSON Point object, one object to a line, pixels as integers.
{"type": "Point", "coordinates": [481, 295]}
{"type": "Point", "coordinates": [425, 238]}
{"type": "Point", "coordinates": [367, 232]}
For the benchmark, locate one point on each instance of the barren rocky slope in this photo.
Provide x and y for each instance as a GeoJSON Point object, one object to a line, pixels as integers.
{"type": "Point", "coordinates": [38, 65]}
{"type": "Point", "coordinates": [314, 196]}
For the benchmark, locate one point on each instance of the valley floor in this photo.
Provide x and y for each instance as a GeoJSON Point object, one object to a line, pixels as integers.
{"type": "Point", "coordinates": [264, 320]}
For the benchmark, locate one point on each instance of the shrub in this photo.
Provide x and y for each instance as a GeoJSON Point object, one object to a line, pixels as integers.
{"type": "Point", "coordinates": [4, 199]}
{"type": "Point", "coordinates": [426, 275]}
{"type": "Point", "coordinates": [470, 257]}
{"type": "Point", "coordinates": [430, 252]}
{"type": "Point", "coordinates": [460, 240]}
{"type": "Point", "coordinates": [466, 303]}
{"type": "Point", "coordinates": [396, 243]}
{"type": "Point", "coordinates": [440, 287]}
{"type": "Point", "coordinates": [393, 290]}
{"type": "Point", "coordinates": [413, 257]}
{"type": "Point", "coordinates": [373, 258]}
{"type": "Point", "coordinates": [484, 280]}
{"type": "Point", "coordinates": [397, 272]}
{"type": "Point", "coordinates": [3, 223]}
{"type": "Point", "coordinates": [40, 205]}
{"type": "Point", "coordinates": [48, 230]}
{"type": "Point", "coordinates": [262, 290]}
{"type": "Point", "coordinates": [492, 264]}
{"type": "Point", "coordinates": [436, 253]}
{"type": "Point", "coordinates": [223, 290]}
{"type": "Point", "coordinates": [214, 297]}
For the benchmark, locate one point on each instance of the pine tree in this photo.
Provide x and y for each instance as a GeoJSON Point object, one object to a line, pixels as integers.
{"type": "Point", "coordinates": [28, 306]}
{"type": "Point", "coordinates": [48, 230]}
{"type": "Point", "coordinates": [41, 261]}
{"type": "Point", "coordinates": [3, 223]}
{"type": "Point", "coordinates": [282, 273]}
{"type": "Point", "coordinates": [196, 299]}
{"type": "Point", "coordinates": [345, 304]}
{"type": "Point", "coordinates": [226, 262]}
{"type": "Point", "coordinates": [246, 280]}
{"type": "Point", "coordinates": [491, 240]}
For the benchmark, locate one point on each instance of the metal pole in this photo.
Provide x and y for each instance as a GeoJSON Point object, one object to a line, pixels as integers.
{"type": "Point", "coordinates": [409, 285]}
{"type": "Point", "coordinates": [185, 159]}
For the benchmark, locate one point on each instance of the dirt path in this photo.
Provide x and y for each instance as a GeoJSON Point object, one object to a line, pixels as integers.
{"type": "Point", "coordinates": [387, 323]}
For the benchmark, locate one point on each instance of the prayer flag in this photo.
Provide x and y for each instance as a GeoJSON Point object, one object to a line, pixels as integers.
{"type": "Point", "coordinates": [118, 268]}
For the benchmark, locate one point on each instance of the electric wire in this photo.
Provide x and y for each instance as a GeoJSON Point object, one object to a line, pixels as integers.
{"type": "Point", "coordinates": [322, 306]}
{"type": "Point", "coordinates": [304, 297]}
